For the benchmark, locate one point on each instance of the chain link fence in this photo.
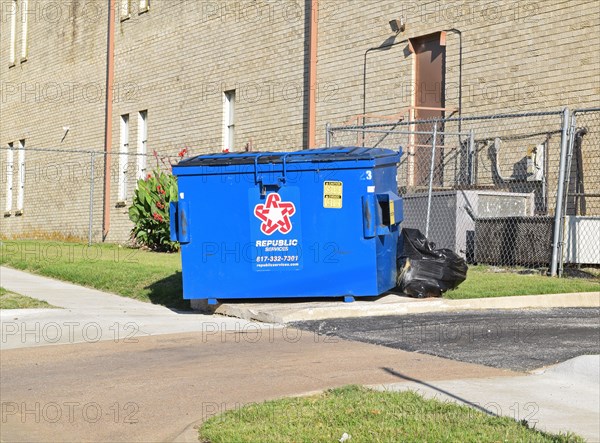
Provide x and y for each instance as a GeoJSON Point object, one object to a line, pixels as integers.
{"type": "Point", "coordinates": [59, 193]}
{"type": "Point", "coordinates": [487, 186]}
{"type": "Point", "coordinates": [580, 234]}
{"type": "Point", "coordinates": [483, 186]}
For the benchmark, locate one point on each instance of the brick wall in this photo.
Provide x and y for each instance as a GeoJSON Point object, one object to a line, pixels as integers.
{"type": "Point", "coordinates": [176, 60]}
{"type": "Point", "coordinates": [61, 84]}
{"type": "Point", "coordinates": [517, 56]}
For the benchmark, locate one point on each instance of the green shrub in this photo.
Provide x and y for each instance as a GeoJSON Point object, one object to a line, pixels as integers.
{"type": "Point", "coordinates": [150, 211]}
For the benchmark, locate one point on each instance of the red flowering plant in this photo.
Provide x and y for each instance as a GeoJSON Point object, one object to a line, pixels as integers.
{"type": "Point", "coordinates": [150, 209]}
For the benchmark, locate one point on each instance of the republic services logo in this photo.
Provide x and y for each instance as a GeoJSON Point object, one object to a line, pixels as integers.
{"type": "Point", "coordinates": [275, 215]}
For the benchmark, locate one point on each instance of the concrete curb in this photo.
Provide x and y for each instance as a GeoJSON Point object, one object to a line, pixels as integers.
{"type": "Point", "coordinates": [283, 313]}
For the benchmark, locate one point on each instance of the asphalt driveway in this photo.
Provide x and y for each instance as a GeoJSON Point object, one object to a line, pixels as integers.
{"type": "Point", "coordinates": [520, 340]}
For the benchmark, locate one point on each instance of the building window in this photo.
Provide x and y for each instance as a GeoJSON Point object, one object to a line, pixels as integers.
{"type": "Point", "coordinates": [21, 188]}
{"type": "Point", "coordinates": [13, 32]}
{"type": "Point", "coordinates": [123, 160]}
{"type": "Point", "coordinates": [144, 6]}
{"type": "Point", "coordinates": [9, 179]}
{"type": "Point", "coordinates": [229, 121]}
{"type": "Point", "coordinates": [141, 148]}
{"type": "Point", "coordinates": [24, 20]}
{"type": "Point", "coordinates": [125, 9]}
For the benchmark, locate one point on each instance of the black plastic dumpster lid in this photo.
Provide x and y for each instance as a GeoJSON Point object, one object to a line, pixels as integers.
{"type": "Point", "coordinates": [308, 155]}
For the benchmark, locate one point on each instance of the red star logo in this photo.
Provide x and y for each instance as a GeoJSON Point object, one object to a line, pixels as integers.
{"type": "Point", "coordinates": [275, 215]}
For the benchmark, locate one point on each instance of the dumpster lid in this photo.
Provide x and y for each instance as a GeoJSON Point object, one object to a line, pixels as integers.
{"type": "Point", "coordinates": [308, 155]}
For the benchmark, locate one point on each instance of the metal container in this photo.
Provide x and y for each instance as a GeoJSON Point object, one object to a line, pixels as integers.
{"type": "Point", "coordinates": [314, 223]}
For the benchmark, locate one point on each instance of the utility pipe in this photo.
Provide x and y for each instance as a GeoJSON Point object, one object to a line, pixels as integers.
{"type": "Point", "coordinates": [390, 45]}
{"type": "Point", "coordinates": [460, 72]}
{"type": "Point", "coordinates": [571, 146]}
{"type": "Point", "coordinates": [312, 73]}
{"type": "Point", "coordinates": [375, 48]}
{"type": "Point", "coordinates": [110, 77]}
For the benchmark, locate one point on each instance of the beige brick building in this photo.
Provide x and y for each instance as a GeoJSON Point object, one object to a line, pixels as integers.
{"type": "Point", "coordinates": [213, 74]}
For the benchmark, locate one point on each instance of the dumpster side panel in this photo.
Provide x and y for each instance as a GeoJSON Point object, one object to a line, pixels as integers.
{"type": "Point", "coordinates": [387, 245]}
{"type": "Point", "coordinates": [279, 231]}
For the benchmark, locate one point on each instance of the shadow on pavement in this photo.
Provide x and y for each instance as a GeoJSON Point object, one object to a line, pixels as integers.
{"type": "Point", "coordinates": [449, 394]}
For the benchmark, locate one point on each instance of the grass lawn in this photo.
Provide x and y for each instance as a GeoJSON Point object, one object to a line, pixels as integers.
{"type": "Point", "coordinates": [484, 281]}
{"type": "Point", "coordinates": [367, 416]}
{"type": "Point", "coordinates": [10, 300]}
{"type": "Point", "coordinates": [156, 277]}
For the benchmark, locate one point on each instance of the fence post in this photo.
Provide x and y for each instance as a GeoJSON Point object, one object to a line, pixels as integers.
{"type": "Point", "coordinates": [558, 211]}
{"type": "Point", "coordinates": [471, 158]}
{"type": "Point", "coordinates": [91, 220]}
{"type": "Point", "coordinates": [571, 146]}
{"type": "Point", "coordinates": [430, 191]}
{"type": "Point", "coordinates": [328, 135]}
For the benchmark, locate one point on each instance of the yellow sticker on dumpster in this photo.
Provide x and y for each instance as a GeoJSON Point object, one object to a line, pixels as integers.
{"type": "Point", "coordinates": [332, 194]}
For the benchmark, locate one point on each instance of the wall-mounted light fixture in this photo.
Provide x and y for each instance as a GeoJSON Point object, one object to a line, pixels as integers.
{"type": "Point", "coordinates": [398, 25]}
{"type": "Point", "coordinates": [66, 130]}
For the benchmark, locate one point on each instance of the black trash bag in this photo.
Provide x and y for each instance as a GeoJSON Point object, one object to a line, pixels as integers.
{"type": "Point", "coordinates": [424, 271]}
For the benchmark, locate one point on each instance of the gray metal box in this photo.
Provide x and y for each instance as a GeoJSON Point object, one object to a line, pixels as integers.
{"type": "Point", "coordinates": [582, 240]}
{"type": "Point", "coordinates": [451, 226]}
{"type": "Point", "coordinates": [514, 241]}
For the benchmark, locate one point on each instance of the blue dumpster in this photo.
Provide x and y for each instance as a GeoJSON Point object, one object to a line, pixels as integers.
{"type": "Point", "coordinates": [312, 223]}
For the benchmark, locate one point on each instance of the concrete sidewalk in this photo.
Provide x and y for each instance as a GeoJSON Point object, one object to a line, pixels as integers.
{"type": "Point", "coordinates": [562, 398]}
{"type": "Point", "coordinates": [90, 315]}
